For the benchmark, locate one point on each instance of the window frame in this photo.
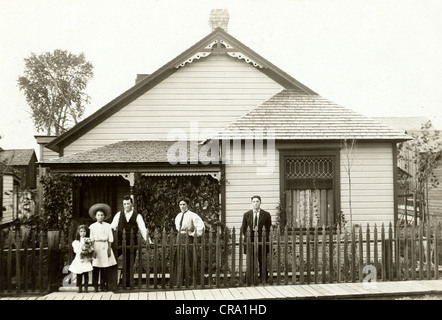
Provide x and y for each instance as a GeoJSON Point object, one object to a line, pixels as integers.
{"type": "Point", "coordinates": [318, 152]}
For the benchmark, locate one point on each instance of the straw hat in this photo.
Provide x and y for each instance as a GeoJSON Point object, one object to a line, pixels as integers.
{"type": "Point", "coordinates": [100, 207]}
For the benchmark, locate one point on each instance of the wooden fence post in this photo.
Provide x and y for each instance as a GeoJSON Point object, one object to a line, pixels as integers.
{"type": "Point", "coordinates": [316, 253]}
{"type": "Point", "coordinates": [26, 262]}
{"type": "Point", "coordinates": [405, 247]}
{"type": "Point", "coordinates": [2, 274]}
{"type": "Point", "coordinates": [271, 235]}
{"type": "Point", "coordinates": [308, 256]}
{"type": "Point", "coordinates": [390, 250]}
{"type": "Point", "coordinates": [163, 258]}
{"type": "Point", "coordinates": [203, 257]}
{"type": "Point", "coordinates": [264, 254]}
{"type": "Point", "coordinates": [241, 257]}
{"type": "Point", "coordinates": [338, 257]}
{"type": "Point", "coordinates": [331, 253]}
{"type": "Point", "coordinates": [233, 271]}
{"type": "Point", "coordinates": [301, 256]}
{"type": "Point", "coordinates": [132, 259]}
{"type": "Point", "coordinates": [375, 248]}
{"type": "Point", "coordinates": [278, 256]}
{"type": "Point", "coordinates": [397, 252]}
{"type": "Point", "coordinates": [384, 253]}
{"type": "Point", "coordinates": [428, 253]}
{"type": "Point", "coordinates": [226, 254]}
{"type": "Point", "coordinates": [436, 250]}
{"type": "Point", "coordinates": [155, 259]}
{"type": "Point", "coordinates": [324, 258]}
{"type": "Point", "coordinates": [361, 254]}
{"type": "Point", "coordinates": [421, 255]}
{"type": "Point", "coordinates": [293, 256]}
{"type": "Point", "coordinates": [40, 264]}
{"type": "Point", "coordinates": [217, 257]}
{"type": "Point", "coordinates": [353, 254]}
{"type": "Point", "coordinates": [147, 255]}
{"type": "Point", "coordinates": [124, 271]}
{"type": "Point", "coordinates": [346, 262]}
{"type": "Point", "coordinates": [209, 263]}
{"type": "Point", "coordinates": [286, 258]}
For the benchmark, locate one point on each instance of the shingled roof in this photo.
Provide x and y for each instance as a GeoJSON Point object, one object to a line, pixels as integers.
{"type": "Point", "coordinates": [295, 115]}
{"type": "Point", "coordinates": [124, 152]}
{"type": "Point", "coordinates": [16, 157]}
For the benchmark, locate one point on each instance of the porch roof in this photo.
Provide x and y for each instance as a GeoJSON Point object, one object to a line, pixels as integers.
{"type": "Point", "coordinates": [295, 115]}
{"type": "Point", "coordinates": [124, 152]}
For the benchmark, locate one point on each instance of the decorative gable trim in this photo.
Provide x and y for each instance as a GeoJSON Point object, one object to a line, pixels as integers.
{"type": "Point", "coordinates": [217, 42]}
{"type": "Point", "coordinates": [220, 46]}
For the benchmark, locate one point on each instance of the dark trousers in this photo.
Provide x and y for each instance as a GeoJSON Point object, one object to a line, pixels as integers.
{"type": "Point", "coordinates": [261, 264]}
{"type": "Point", "coordinates": [102, 273]}
{"type": "Point", "coordinates": [129, 259]}
{"type": "Point", "coordinates": [80, 277]}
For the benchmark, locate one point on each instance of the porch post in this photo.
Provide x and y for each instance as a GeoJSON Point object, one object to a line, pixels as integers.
{"type": "Point", "coordinates": [131, 178]}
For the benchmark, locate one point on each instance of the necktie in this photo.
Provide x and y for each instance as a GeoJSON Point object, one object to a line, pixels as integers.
{"type": "Point", "coordinates": [255, 223]}
{"type": "Point", "coordinates": [181, 222]}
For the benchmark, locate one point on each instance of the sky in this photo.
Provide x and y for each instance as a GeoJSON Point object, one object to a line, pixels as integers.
{"type": "Point", "coordinates": [380, 58]}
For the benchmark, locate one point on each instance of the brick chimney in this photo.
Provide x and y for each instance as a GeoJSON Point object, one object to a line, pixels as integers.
{"type": "Point", "coordinates": [219, 18]}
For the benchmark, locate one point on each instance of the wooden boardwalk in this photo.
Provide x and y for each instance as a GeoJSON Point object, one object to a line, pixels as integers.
{"type": "Point", "coordinates": [377, 290]}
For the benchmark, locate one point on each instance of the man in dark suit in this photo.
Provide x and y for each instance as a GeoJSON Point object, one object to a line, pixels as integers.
{"type": "Point", "coordinates": [256, 220]}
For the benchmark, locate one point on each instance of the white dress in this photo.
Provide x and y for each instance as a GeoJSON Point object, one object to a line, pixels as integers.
{"type": "Point", "coordinates": [101, 234]}
{"type": "Point", "coordinates": [79, 265]}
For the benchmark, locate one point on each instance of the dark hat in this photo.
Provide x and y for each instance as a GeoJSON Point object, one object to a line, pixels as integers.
{"type": "Point", "coordinates": [100, 207]}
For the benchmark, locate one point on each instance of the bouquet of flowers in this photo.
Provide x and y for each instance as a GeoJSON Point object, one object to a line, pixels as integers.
{"type": "Point", "coordinates": [87, 250]}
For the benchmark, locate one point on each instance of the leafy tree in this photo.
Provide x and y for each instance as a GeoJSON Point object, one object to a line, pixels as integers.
{"type": "Point", "coordinates": [54, 84]}
{"type": "Point", "coordinates": [422, 155]}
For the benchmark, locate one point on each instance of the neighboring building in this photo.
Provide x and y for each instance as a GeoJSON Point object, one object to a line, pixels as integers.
{"type": "Point", "coordinates": [414, 126]}
{"type": "Point", "coordinates": [18, 183]}
{"type": "Point", "coordinates": [221, 89]}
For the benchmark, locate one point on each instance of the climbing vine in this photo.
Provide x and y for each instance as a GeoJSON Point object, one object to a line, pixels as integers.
{"type": "Point", "coordinates": [56, 211]}
{"type": "Point", "coordinates": [157, 199]}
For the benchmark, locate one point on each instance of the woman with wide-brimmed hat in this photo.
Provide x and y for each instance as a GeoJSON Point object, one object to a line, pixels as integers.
{"type": "Point", "coordinates": [102, 237]}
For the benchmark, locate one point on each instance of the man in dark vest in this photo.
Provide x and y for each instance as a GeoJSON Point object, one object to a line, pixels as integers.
{"type": "Point", "coordinates": [256, 220]}
{"type": "Point", "coordinates": [129, 221]}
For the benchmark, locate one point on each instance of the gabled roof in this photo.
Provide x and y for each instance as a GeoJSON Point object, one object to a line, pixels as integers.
{"type": "Point", "coordinates": [125, 152]}
{"type": "Point", "coordinates": [293, 114]}
{"type": "Point", "coordinates": [17, 157]}
{"type": "Point", "coordinates": [218, 41]}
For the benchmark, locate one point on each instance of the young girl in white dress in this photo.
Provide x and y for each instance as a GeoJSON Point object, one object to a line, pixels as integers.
{"type": "Point", "coordinates": [81, 265]}
{"type": "Point", "coordinates": [102, 237]}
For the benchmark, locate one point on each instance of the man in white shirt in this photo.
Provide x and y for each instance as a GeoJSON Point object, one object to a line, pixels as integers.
{"type": "Point", "coordinates": [129, 221]}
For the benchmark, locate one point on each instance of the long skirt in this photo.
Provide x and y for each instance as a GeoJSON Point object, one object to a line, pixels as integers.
{"type": "Point", "coordinates": [182, 272]}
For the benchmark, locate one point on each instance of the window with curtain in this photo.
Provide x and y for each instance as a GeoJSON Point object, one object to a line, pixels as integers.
{"type": "Point", "coordinates": [310, 181]}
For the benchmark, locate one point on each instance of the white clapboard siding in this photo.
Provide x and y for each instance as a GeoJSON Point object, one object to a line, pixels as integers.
{"type": "Point", "coordinates": [213, 92]}
{"type": "Point", "coordinates": [48, 154]}
{"type": "Point", "coordinates": [8, 198]}
{"type": "Point", "coordinates": [371, 184]}
{"type": "Point", "coordinates": [372, 187]}
{"type": "Point", "coordinates": [243, 181]}
{"type": "Point", "coordinates": [435, 197]}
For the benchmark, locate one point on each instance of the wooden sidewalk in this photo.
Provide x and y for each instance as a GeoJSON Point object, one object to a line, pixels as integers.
{"type": "Point", "coordinates": [378, 290]}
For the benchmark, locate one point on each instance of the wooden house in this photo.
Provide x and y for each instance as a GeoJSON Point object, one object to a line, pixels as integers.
{"type": "Point", "coordinates": [406, 164]}
{"type": "Point", "coordinates": [17, 183]}
{"type": "Point", "coordinates": [221, 95]}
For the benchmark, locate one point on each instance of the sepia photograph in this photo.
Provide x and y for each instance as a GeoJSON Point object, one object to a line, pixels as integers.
{"type": "Point", "coordinates": [220, 156]}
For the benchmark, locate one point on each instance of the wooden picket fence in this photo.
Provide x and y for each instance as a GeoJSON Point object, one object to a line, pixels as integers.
{"type": "Point", "coordinates": [28, 263]}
